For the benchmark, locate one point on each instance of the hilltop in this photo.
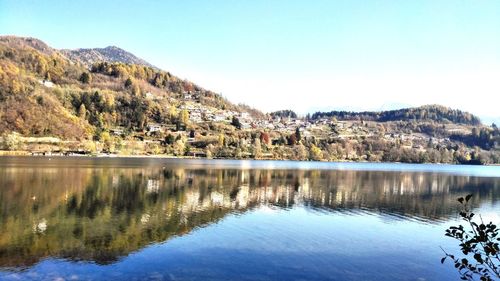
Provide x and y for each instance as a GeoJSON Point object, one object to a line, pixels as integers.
{"type": "Point", "coordinates": [437, 113]}
{"type": "Point", "coordinates": [88, 57]}
{"type": "Point", "coordinates": [90, 101]}
{"type": "Point", "coordinates": [16, 42]}
{"type": "Point", "coordinates": [85, 56]}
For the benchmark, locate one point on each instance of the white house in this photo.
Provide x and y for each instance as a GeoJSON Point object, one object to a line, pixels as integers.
{"type": "Point", "coordinates": [46, 83]}
{"type": "Point", "coordinates": [154, 128]}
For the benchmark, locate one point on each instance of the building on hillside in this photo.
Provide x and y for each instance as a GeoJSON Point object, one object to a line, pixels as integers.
{"type": "Point", "coordinates": [46, 83]}
{"type": "Point", "coordinates": [117, 131]}
{"type": "Point", "coordinates": [195, 117]}
{"type": "Point", "coordinates": [154, 127]}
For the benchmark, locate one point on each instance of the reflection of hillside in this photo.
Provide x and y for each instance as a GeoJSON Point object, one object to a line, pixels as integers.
{"type": "Point", "coordinates": [103, 213]}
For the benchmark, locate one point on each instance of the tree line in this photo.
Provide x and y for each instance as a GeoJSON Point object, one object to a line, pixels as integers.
{"type": "Point", "coordinates": [424, 113]}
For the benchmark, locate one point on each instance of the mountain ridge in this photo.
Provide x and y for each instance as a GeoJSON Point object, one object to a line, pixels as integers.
{"type": "Point", "coordinates": [89, 56]}
{"type": "Point", "coordinates": [85, 56]}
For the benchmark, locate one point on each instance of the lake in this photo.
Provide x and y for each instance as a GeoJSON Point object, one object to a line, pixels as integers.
{"type": "Point", "coordinates": [170, 219]}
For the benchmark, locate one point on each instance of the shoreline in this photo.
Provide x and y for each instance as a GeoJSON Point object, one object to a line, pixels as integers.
{"type": "Point", "coordinates": [145, 156]}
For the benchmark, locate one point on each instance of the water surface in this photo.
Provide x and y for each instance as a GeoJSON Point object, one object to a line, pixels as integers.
{"type": "Point", "coordinates": [166, 219]}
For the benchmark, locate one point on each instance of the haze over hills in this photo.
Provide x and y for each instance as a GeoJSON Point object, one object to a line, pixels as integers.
{"type": "Point", "coordinates": [107, 99]}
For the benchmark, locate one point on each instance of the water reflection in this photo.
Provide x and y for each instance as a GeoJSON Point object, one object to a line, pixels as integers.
{"type": "Point", "coordinates": [103, 212]}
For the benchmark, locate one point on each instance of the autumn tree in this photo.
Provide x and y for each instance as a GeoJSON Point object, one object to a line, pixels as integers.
{"type": "Point", "coordinates": [82, 111]}
{"type": "Point", "coordinates": [136, 90]}
{"type": "Point", "coordinates": [300, 152]}
{"type": "Point", "coordinates": [172, 113]}
{"type": "Point", "coordinates": [264, 138]}
{"type": "Point", "coordinates": [11, 141]}
{"type": "Point", "coordinates": [184, 118]}
{"type": "Point", "coordinates": [209, 150]}
{"type": "Point", "coordinates": [316, 153]}
{"type": "Point", "coordinates": [179, 147]}
{"type": "Point", "coordinates": [108, 142]}
{"type": "Point", "coordinates": [220, 140]}
{"type": "Point", "coordinates": [257, 149]}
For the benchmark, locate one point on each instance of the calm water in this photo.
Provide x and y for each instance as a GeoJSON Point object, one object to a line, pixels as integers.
{"type": "Point", "coordinates": [157, 219]}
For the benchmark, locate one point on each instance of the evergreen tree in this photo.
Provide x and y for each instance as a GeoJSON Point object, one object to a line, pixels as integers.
{"type": "Point", "coordinates": [128, 83]}
{"type": "Point", "coordinates": [236, 122]}
{"type": "Point", "coordinates": [297, 134]}
{"type": "Point", "coordinates": [85, 78]}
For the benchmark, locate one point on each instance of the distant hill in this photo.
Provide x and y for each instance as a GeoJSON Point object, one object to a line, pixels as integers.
{"type": "Point", "coordinates": [435, 113]}
{"type": "Point", "coordinates": [88, 57]}
{"type": "Point", "coordinates": [283, 114]}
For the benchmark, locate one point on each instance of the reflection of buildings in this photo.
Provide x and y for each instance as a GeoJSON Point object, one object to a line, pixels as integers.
{"type": "Point", "coordinates": [102, 213]}
{"type": "Point", "coordinates": [40, 226]}
{"type": "Point", "coordinates": [153, 186]}
{"type": "Point", "coordinates": [429, 196]}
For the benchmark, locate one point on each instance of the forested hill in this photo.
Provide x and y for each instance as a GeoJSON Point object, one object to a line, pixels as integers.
{"type": "Point", "coordinates": [436, 113]}
{"type": "Point", "coordinates": [45, 93]}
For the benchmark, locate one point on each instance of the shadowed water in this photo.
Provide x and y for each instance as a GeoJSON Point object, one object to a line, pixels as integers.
{"type": "Point", "coordinates": [159, 219]}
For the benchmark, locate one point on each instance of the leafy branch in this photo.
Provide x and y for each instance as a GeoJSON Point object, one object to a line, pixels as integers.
{"type": "Point", "coordinates": [479, 240]}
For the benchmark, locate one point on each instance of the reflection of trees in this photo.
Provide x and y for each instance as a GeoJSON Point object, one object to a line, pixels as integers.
{"type": "Point", "coordinates": [101, 214]}
{"type": "Point", "coordinates": [130, 196]}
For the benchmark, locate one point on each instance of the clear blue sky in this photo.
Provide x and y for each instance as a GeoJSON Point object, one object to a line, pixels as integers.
{"type": "Point", "coordinates": [303, 55]}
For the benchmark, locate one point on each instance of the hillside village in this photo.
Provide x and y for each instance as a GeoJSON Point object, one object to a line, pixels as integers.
{"type": "Point", "coordinates": [60, 103]}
